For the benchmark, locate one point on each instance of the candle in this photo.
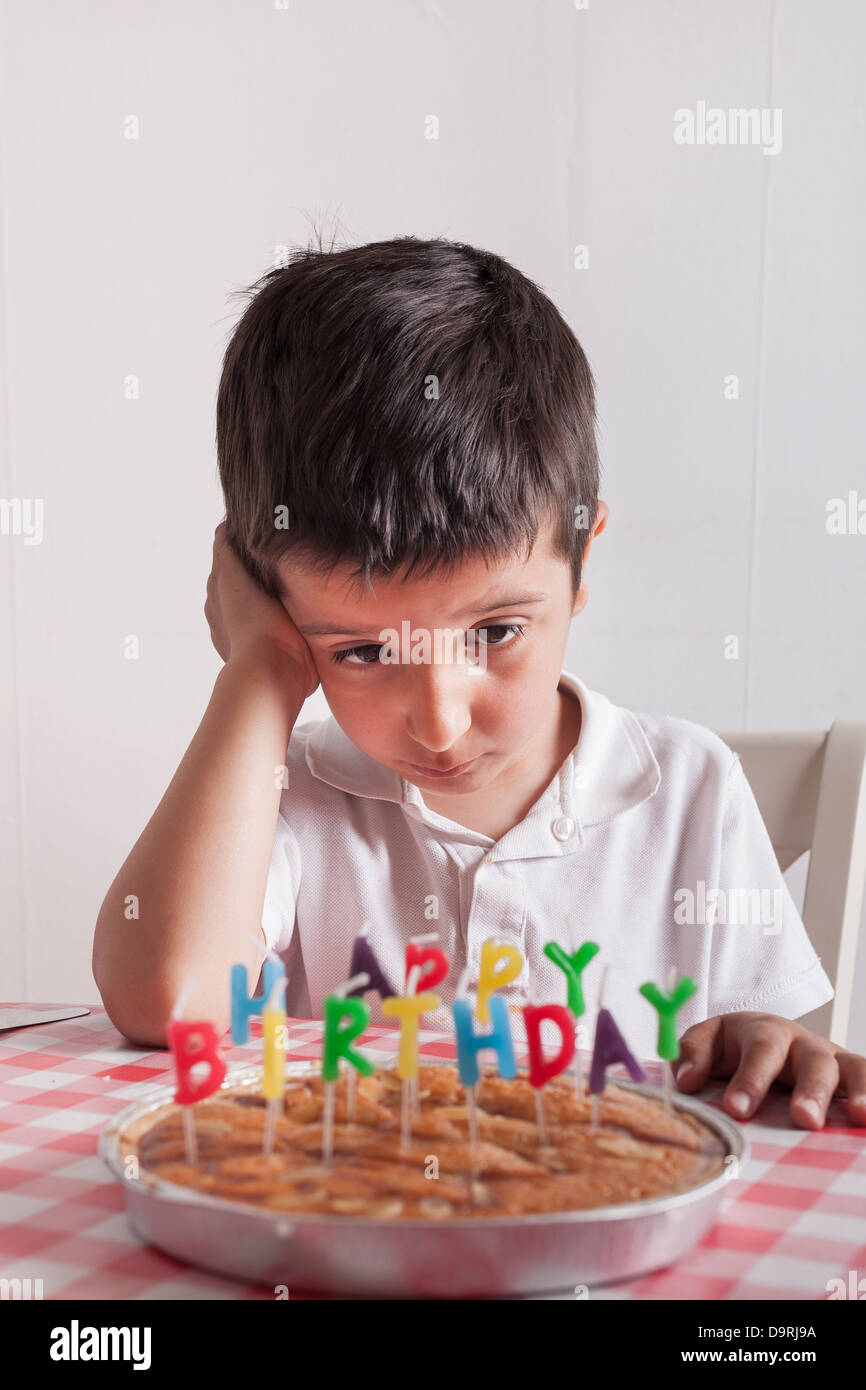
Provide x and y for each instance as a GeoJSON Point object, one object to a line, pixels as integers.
{"type": "Point", "coordinates": [667, 1007]}
{"type": "Point", "coordinates": [433, 962]}
{"type": "Point", "coordinates": [609, 1047]}
{"type": "Point", "coordinates": [542, 1070]}
{"type": "Point", "coordinates": [409, 1010]}
{"type": "Point", "coordinates": [274, 1080]}
{"type": "Point", "coordinates": [573, 965]}
{"type": "Point", "coordinates": [490, 978]}
{"type": "Point", "coordinates": [337, 1044]}
{"type": "Point", "coordinates": [435, 966]}
{"type": "Point", "coordinates": [193, 1044]}
{"type": "Point", "coordinates": [365, 962]}
{"type": "Point", "coordinates": [242, 1006]}
{"type": "Point", "coordinates": [470, 1043]}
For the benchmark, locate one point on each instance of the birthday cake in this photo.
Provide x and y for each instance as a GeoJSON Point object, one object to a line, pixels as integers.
{"type": "Point", "coordinates": [622, 1149]}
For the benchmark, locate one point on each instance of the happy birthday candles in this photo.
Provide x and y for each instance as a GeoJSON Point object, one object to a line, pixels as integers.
{"type": "Point", "coordinates": [195, 1044]}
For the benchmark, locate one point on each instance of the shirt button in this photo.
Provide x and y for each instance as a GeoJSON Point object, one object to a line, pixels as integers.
{"type": "Point", "coordinates": [563, 827]}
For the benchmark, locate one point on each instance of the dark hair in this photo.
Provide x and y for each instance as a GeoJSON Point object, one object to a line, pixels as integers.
{"type": "Point", "coordinates": [406, 404]}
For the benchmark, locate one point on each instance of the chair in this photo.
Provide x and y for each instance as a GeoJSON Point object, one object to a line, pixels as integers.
{"type": "Point", "coordinates": [811, 791]}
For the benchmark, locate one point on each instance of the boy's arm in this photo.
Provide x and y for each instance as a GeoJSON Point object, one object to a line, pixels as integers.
{"type": "Point", "coordinates": [199, 869]}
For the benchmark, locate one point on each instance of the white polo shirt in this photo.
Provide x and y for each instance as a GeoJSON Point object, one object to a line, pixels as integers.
{"type": "Point", "coordinates": [648, 841]}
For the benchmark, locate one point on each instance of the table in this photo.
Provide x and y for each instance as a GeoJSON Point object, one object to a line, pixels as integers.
{"type": "Point", "coordinates": [794, 1219]}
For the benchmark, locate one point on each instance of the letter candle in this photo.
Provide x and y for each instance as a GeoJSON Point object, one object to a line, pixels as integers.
{"type": "Point", "coordinates": [365, 961]}
{"type": "Point", "coordinates": [609, 1047]}
{"type": "Point", "coordinates": [242, 1004]}
{"type": "Point", "coordinates": [274, 1080]}
{"type": "Point", "coordinates": [573, 966]}
{"type": "Point", "coordinates": [435, 966]}
{"type": "Point", "coordinates": [470, 1043]}
{"type": "Point", "coordinates": [193, 1044]}
{"type": "Point", "coordinates": [667, 1006]}
{"type": "Point", "coordinates": [490, 978]}
{"type": "Point", "coordinates": [408, 1010]}
{"type": "Point", "coordinates": [540, 1070]}
{"type": "Point", "coordinates": [433, 962]}
{"type": "Point", "coordinates": [337, 1043]}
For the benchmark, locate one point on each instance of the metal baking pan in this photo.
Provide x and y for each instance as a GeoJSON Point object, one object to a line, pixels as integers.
{"type": "Point", "coordinates": [460, 1258]}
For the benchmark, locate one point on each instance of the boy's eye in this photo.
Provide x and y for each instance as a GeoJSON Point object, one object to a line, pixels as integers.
{"type": "Point", "coordinates": [494, 635]}
{"type": "Point", "coordinates": [366, 655]}
{"type": "Point", "coordinates": [516, 630]}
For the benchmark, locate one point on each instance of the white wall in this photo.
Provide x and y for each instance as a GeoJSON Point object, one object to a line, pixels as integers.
{"type": "Point", "coordinates": [556, 130]}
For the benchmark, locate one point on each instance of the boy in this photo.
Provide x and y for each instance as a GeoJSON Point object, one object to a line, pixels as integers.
{"type": "Point", "coordinates": [406, 442]}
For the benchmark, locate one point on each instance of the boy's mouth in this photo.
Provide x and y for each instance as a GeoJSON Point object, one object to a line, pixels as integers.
{"type": "Point", "coordinates": [454, 770]}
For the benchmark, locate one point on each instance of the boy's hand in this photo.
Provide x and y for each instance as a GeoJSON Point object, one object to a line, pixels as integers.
{"type": "Point", "coordinates": [757, 1049]}
{"type": "Point", "coordinates": [244, 620]}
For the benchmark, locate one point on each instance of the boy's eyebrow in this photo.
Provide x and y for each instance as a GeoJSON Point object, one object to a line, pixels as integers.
{"type": "Point", "coordinates": [480, 606]}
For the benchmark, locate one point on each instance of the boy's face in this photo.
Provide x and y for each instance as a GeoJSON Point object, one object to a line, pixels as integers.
{"type": "Point", "coordinates": [478, 720]}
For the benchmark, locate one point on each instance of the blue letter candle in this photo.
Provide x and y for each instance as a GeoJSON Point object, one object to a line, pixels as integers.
{"type": "Point", "coordinates": [470, 1043]}
{"type": "Point", "coordinates": [242, 1005]}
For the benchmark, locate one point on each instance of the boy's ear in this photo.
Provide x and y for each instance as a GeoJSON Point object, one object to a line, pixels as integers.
{"type": "Point", "coordinates": [580, 600]}
{"type": "Point", "coordinates": [601, 518]}
{"type": "Point", "coordinates": [582, 595]}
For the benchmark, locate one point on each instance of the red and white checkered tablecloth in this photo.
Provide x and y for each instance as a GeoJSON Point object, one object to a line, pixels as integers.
{"type": "Point", "coordinates": [794, 1219]}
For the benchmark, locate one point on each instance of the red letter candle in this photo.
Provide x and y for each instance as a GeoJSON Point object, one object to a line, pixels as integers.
{"type": "Point", "coordinates": [433, 963]}
{"type": "Point", "coordinates": [540, 1070]}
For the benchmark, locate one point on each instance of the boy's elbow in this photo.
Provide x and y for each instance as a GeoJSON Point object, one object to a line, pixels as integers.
{"type": "Point", "coordinates": [141, 1013]}
{"type": "Point", "coordinates": [140, 1020]}
{"type": "Point", "coordinates": [134, 1021]}
{"type": "Point", "coordinates": [144, 1021]}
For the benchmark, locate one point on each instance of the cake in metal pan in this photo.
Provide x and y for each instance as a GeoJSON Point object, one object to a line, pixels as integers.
{"type": "Point", "coordinates": [635, 1153]}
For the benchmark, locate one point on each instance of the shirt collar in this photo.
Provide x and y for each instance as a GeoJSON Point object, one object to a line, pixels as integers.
{"type": "Point", "coordinates": [611, 769]}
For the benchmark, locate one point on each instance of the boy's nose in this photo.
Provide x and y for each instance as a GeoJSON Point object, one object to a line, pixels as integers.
{"type": "Point", "coordinates": [438, 709]}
